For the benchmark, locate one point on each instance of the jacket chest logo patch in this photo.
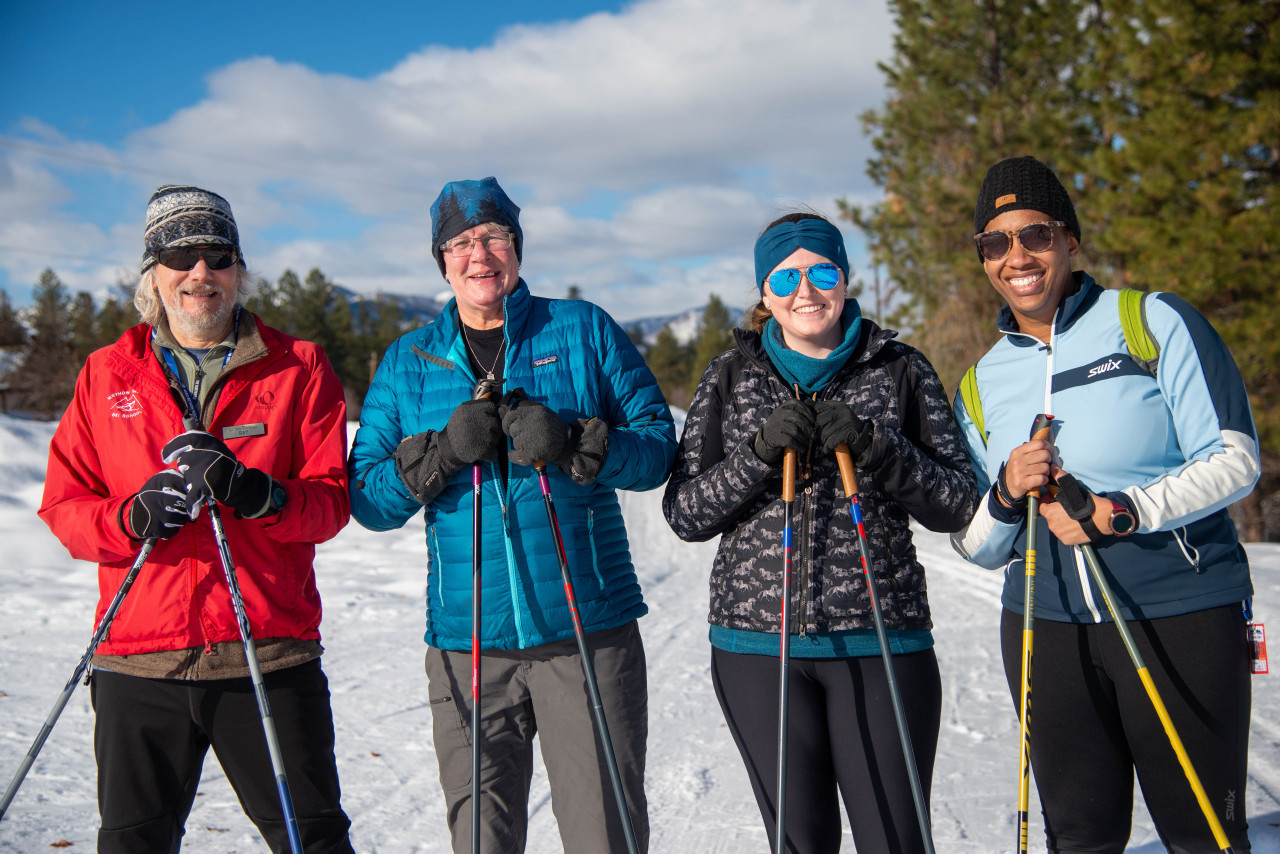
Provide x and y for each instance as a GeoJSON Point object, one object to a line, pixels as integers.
{"type": "Point", "coordinates": [265, 398]}
{"type": "Point", "coordinates": [125, 404]}
{"type": "Point", "coordinates": [545, 360]}
{"type": "Point", "coordinates": [1107, 365]}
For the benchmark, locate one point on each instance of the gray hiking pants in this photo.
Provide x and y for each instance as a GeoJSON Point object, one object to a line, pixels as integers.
{"type": "Point", "coordinates": [542, 691]}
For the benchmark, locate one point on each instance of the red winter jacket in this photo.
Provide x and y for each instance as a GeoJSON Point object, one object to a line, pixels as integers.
{"type": "Point", "coordinates": [108, 444]}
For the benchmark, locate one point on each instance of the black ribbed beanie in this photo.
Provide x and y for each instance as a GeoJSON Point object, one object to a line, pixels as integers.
{"type": "Point", "coordinates": [1023, 183]}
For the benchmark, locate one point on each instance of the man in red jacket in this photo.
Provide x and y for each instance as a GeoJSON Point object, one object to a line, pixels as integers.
{"type": "Point", "coordinates": [254, 419]}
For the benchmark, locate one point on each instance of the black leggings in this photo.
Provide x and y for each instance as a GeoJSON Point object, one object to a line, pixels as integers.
{"type": "Point", "coordinates": [1092, 724]}
{"type": "Point", "coordinates": [841, 735]}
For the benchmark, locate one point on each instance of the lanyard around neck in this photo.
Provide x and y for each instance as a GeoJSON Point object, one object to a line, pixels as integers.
{"type": "Point", "coordinates": [193, 404]}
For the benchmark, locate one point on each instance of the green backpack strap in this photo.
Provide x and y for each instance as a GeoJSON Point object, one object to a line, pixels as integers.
{"type": "Point", "coordinates": [1137, 334]}
{"type": "Point", "coordinates": [972, 400]}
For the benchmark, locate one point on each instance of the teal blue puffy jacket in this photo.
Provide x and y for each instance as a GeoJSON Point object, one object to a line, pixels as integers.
{"type": "Point", "coordinates": [571, 356]}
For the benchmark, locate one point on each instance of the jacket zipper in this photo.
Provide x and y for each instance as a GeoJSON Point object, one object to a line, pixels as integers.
{"type": "Point", "coordinates": [802, 578]}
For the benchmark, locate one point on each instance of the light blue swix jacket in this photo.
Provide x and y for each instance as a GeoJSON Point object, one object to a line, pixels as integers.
{"type": "Point", "coordinates": [571, 356]}
{"type": "Point", "coordinates": [1177, 448]}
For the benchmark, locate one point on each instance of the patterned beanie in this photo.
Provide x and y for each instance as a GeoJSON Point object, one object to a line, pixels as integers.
{"type": "Point", "coordinates": [1023, 184]}
{"type": "Point", "coordinates": [182, 215]}
{"type": "Point", "coordinates": [466, 204]}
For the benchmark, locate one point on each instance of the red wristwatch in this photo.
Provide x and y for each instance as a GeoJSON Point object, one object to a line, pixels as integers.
{"type": "Point", "coordinates": [1122, 521]}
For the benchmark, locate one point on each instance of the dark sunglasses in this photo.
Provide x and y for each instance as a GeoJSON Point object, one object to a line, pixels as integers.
{"type": "Point", "coordinates": [784, 282]}
{"type": "Point", "coordinates": [186, 257]}
{"type": "Point", "coordinates": [1037, 237]}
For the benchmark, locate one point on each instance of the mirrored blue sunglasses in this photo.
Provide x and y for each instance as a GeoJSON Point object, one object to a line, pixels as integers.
{"type": "Point", "coordinates": [784, 282]}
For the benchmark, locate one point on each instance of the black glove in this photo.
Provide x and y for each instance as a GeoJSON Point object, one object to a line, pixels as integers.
{"type": "Point", "coordinates": [789, 426]}
{"type": "Point", "coordinates": [473, 434]}
{"type": "Point", "coordinates": [160, 507]}
{"type": "Point", "coordinates": [212, 471]}
{"type": "Point", "coordinates": [537, 434]}
{"type": "Point", "coordinates": [584, 453]}
{"type": "Point", "coordinates": [837, 425]}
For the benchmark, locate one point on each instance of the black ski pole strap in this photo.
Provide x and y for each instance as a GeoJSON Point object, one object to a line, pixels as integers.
{"type": "Point", "coordinates": [1078, 503]}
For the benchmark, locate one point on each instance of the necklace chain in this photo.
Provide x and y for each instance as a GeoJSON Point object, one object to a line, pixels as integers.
{"type": "Point", "coordinates": [467, 340]}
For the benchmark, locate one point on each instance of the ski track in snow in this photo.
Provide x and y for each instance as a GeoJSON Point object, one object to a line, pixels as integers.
{"type": "Point", "coordinates": [372, 586]}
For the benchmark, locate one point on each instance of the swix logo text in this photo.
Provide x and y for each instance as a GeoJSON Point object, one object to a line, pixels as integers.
{"type": "Point", "coordinates": [1109, 365]}
{"type": "Point", "coordinates": [125, 404]}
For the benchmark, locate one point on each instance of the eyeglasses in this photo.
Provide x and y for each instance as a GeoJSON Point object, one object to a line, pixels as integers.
{"type": "Point", "coordinates": [461, 247]}
{"type": "Point", "coordinates": [784, 282]}
{"type": "Point", "coordinates": [1036, 237]}
{"type": "Point", "coordinates": [186, 257]}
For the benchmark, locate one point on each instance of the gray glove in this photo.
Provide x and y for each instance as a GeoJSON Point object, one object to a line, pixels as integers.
{"type": "Point", "coordinates": [472, 435]}
{"type": "Point", "coordinates": [537, 434]}
{"type": "Point", "coordinates": [584, 453]}
{"type": "Point", "coordinates": [426, 461]}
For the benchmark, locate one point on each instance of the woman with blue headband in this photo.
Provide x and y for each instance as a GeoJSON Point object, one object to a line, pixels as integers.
{"type": "Point", "coordinates": [812, 374]}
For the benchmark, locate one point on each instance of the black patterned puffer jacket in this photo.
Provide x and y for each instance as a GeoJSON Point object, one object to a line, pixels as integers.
{"type": "Point", "coordinates": [916, 468]}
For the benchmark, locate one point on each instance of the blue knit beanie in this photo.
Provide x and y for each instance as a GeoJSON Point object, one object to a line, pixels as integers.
{"type": "Point", "coordinates": [466, 204]}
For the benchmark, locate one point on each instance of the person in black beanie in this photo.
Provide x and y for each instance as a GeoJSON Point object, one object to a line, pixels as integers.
{"type": "Point", "coordinates": [1151, 421]}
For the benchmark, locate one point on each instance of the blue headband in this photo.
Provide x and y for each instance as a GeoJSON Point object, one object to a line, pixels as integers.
{"type": "Point", "coordinates": [466, 204]}
{"type": "Point", "coordinates": [817, 235]}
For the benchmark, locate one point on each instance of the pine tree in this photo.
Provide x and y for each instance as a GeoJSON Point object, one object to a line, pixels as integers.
{"type": "Point", "coordinates": [715, 335]}
{"type": "Point", "coordinates": [670, 360]}
{"type": "Point", "coordinates": [116, 316]}
{"type": "Point", "coordinates": [376, 323]}
{"type": "Point", "coordinates": [968, 84]}
{"type": "Point", "coordinates": [12, 332]}
{"type": "Point", "coordinates": [49, 368]}
{"type": "Point", "coordinates": [81, 327]}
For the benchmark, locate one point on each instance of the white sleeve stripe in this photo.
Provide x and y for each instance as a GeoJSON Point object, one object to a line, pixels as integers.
{"type": "Point", "coordinates": [1201, 488]}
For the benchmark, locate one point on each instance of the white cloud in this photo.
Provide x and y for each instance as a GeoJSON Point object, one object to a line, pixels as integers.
{"type": "Point", "coordinates": [661, 137]}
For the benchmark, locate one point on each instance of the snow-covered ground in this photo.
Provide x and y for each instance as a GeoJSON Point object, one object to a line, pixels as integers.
{"type": "Point", "coordinates": [372, 584]}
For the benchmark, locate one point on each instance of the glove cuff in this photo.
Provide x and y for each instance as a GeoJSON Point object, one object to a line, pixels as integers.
{"type": "Point", "coordinates": [252, 494]}
{"type": "Point", "coordinates": [450, 463]}
{"type": "Point", "coordinates": [768, 456]}
{"type": "Point", "coordinates": [585, 451]}
{"type": "Point", "coordinates": [124, 526]}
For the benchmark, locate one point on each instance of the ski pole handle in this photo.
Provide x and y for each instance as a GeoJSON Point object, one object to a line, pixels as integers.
{"type": "Point", "coordinates": [789, 475]}
{"type": "Point", "coordinates": [844, 459]}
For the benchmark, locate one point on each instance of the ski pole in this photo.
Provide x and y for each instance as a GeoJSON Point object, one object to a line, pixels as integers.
{"type": "Point", "coordinates": [82, 669]}
{"type": "Point", "coordinates": [1079, 505]}
{"type": "Point", "coordinates": [255, 672]}
{"type": "Point", "coordinates": [845, 461]}
{"type": "Point", "coordinates": [784, 654]}
{"type": "Point", "coordinates": [485, 388]}
{"type": "Point", "coordinates": [1040, 429]}
{"type": "Point", "coordinates": [588, 670]}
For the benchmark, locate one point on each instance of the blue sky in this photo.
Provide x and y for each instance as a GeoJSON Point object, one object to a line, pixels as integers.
{"type": "Point", "coordinates": [646, 142]}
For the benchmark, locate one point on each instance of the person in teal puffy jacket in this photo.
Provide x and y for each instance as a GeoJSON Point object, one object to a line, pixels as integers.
{"type": "Point", "coordinates": [567, 389]}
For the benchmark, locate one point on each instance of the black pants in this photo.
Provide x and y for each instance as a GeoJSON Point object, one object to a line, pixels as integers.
{"type": "Point", "coordinates": [151, 736]}
{"type": "Point", "coordinates": [841, 737]}
{"type": "Point", "coordinates": [1092, 724]}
